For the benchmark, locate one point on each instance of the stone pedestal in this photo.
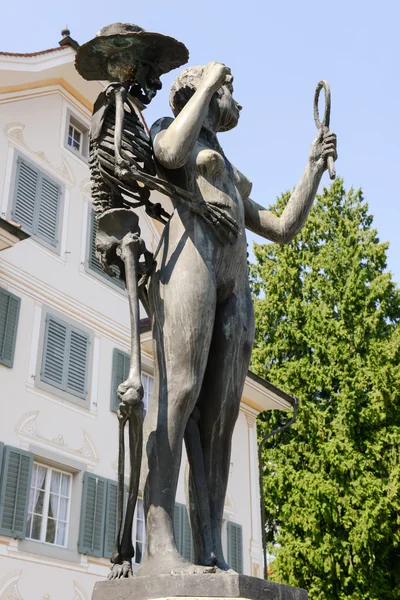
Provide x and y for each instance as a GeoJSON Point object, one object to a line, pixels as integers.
{"type": "Point", "coordinates": [195, 587]}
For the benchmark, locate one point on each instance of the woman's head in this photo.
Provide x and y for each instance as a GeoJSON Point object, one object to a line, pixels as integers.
{"type": "Point", "coordinates": [223, 108]}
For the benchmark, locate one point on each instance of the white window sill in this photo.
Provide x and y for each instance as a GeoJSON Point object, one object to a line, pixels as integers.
{"type": "Point", "coordinates": [49, 550]}
{"type": "Point", "coordinates": [43, 247]}
{"type": "Point", "coordinates": [77, 155]}
{"type": "Point", "coordinates": [33, 389]}
{"type": "Point", "coordinates": [109, 285]}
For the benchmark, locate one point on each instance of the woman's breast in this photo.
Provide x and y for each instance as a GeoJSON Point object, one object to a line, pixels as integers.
{"type": "Point", "coordinates": [210, 163]}
{"type": "Point", "coordinates": [216, 182]}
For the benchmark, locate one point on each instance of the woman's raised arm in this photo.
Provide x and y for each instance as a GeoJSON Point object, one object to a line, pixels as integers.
{"type": "Point", "coordinates": [173, 140]}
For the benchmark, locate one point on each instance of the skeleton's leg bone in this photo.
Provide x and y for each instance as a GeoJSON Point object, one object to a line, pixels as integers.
{"type": "Point", "coordinates": [135, 424]}
{"type": "Point", "coordinates": [116, 557]}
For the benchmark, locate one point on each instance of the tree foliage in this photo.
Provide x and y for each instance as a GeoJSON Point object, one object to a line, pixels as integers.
{"type": "Point", "coordinates": [327, 331]}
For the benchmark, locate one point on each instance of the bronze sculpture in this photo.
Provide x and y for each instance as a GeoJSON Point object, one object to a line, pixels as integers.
{"type": "Point", "coordinates": [195, 288]}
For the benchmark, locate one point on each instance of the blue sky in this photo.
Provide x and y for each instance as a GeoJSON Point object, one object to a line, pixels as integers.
{"type": "Point", "coordinates": [278, 51]}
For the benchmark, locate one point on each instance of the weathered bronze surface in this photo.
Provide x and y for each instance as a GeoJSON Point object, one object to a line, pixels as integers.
{"type": "Point", "coordinates": [195, 288]}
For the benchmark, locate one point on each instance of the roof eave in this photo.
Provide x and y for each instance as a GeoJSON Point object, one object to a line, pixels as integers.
{"type": "Point", "coordinates": [10, 234]}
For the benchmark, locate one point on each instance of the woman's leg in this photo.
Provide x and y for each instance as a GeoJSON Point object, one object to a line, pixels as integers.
{"type": "Point", "coordinates": [182, 297]}
{"type": "Point", "coordinates": [219, 405]}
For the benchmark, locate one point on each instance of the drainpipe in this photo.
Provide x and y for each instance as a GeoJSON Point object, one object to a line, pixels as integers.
{"type": "Point", "coordinates": [261, 477]}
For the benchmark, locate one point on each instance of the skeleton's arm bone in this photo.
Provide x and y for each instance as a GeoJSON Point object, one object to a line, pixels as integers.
{"type": "Point", "coordinates": [284, 228]}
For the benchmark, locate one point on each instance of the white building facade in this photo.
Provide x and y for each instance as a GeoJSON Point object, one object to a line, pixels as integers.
{"type": "Point", "coordinates": [64, 339]}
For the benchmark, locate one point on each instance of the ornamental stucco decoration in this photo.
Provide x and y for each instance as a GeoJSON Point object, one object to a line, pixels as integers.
{"type": "Point", "coordinates": [9, 586]}
{"type": "Point", "coordinates": [14, 132]}
{"type": "Point", "coordinates": [27, 430]}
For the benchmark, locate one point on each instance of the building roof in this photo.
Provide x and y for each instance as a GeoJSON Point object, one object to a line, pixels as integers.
{"type": "Point", "coordinates": [30, 54]}
{"type": "Point", "coordinates": [271, 387]}
{"type": "Point", "coordinates": [66, 42]}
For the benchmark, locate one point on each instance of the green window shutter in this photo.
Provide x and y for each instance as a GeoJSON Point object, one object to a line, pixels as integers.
{"type": "Point", "coordinates": [235, 547]}
{"type": "Point", "coordinates": [37, 202]}
{"type": "Point", "coordinates": [54, 352]}
{"type": "Point", "coordinates": [178, 526]}
{"type": "Point", "coordinates": [188, 550]}
{"type": "Point", "coordinates": [14, 491]}
{"type": "Point", "coordinates": [9, 314]}
{"type": "Point", "coordinates": [110, 529]}
{"type": "Point", "coordinates": [94, 498]}
{"type": "Point", "coordinates": [48, 210]}
{"type": "Point", "coordinates": [183, 532]}
{"type": "Point", "coordinates": [1, 457]}
{"type": "Point", "coordinates": [26, 192]}
{"type": "Point", "coordinates": [120, 372]}
{"type": "Point", "coordinates": [65, 357]}
{"type": "Point", "coordinates": [94, 263]}
{"type": "Point", "coordinates": [77, 368]}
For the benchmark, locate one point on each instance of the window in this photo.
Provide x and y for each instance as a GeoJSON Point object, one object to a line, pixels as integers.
{"type": "Point", "coordinates": [94, 263]}
{"type": "Point", "coordinates": [120, 372]}
{"type": "Point", "coordinates": [183, 532]}
{"type": "Point", "coordinates": [77, 137]}
{"type": "Point", "coordinates": [147, 382]}
{"type": "Point", "coordinates": [235, 546]}
{"type": "Point", "coordinates": [65, 357]}
{"type": "Point", "coordinates": [14, 490]}
{"type": "Point", "coordinates": [49, 503]}
{"type": "Point", "coordinates": [139, 533]}
{"type": "Point", "coordinates": [98, 525]}
{"type": "Point", "coordinates": [37, 203]}
{"type": "Point", "coordinates": [9, 313]}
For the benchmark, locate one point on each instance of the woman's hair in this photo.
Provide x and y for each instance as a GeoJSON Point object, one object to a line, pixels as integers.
{"type": "Point", "coordinates": [184, 87]}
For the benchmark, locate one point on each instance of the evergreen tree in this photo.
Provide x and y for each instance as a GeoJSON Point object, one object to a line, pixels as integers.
{"type": "Point", "coordinates": [327, 331]}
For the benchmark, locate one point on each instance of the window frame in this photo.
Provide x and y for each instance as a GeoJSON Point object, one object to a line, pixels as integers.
{"type": "Point", "coordinates": [183, 529]}
{"type": "Point", "coordinates": [46, 504]}
{"type": "Point", "coordinates": [4, 361]}
{"type": "Point", "coordinates": [76, 469]}
{"type": "Point", "coordinates": [134, 530]}
{"type": "Point", "coordinates": [76, 137]}
{"type": "Point", "coordinates": [19, 156]}
{"type": "Point", "coordinates": [235, 562]}
{"type": "Point", "coordinates": [53, 388]}
{"type": "Point", "coordinates": [150, 376]}
{"type": "Point", "coordinates": [80, 126]}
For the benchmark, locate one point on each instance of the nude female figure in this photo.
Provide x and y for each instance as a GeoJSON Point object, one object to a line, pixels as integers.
{"type": "Point", "coordinates": [201, 309]}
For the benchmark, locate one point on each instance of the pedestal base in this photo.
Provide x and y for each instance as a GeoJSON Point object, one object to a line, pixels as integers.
{"type": "Point", "coordinates": [195, 587]}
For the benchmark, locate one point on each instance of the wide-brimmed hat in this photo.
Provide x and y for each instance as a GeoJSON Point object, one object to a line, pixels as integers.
{"type": "Point", "coordinates": [91, 58]}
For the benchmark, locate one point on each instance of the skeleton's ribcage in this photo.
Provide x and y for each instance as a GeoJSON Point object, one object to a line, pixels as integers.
{"type": "Point", "coordinates": [108, 191]}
